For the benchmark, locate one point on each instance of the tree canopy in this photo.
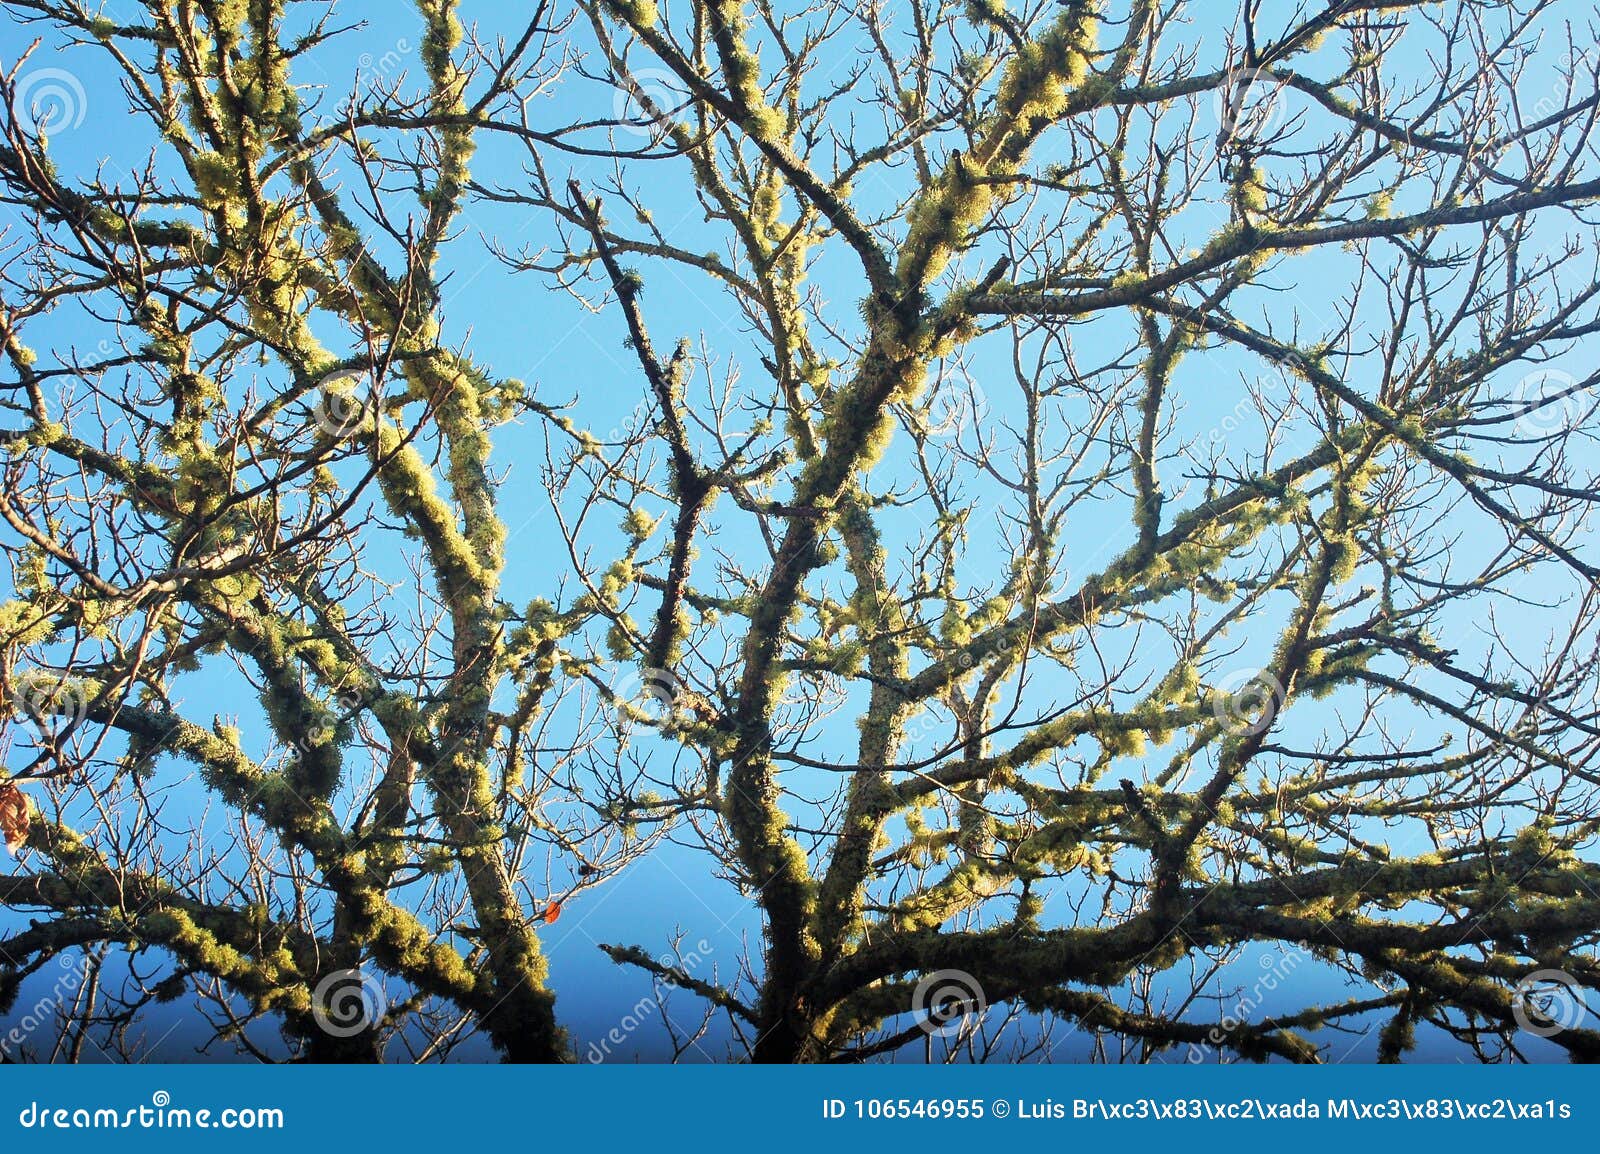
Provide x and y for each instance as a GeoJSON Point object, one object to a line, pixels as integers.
{"type": "Point", "coordinates": [1100, 489]}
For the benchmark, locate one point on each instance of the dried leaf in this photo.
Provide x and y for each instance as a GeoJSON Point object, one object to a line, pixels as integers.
{"type": "Point", "coordinates": [13, 816]}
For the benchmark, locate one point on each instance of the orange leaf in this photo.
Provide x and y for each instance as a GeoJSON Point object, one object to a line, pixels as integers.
{"type": "Point", "coordinates": [552, 912]}
{"type": "Point", "coordinates": [13, 816]}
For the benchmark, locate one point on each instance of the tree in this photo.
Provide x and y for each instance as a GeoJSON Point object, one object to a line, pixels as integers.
{"type": "Point", "coordinates": [214, 483]}
{"type": "Point", "coordinates": [1136, 513]}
